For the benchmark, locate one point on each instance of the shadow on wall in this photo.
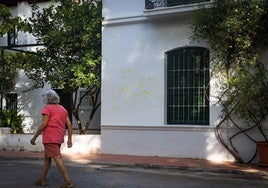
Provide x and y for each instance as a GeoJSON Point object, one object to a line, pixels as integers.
{"type": "Point", "coordinates": [29, 102]}
{"type": "Point", "coordinates": [244, 146]}
{"type": "Point", "coordinates": [215, 151]}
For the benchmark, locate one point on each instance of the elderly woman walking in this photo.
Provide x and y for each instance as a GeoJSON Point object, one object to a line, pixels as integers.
{"type": "Point", "coordinates": [53, 126]}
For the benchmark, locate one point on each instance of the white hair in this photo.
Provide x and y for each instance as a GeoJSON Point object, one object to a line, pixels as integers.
{"type": "Point", "coordinates": [50, 97]}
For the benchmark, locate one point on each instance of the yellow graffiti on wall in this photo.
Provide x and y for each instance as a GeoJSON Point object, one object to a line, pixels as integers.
{"type": "Point", "coordinates": [135, 94]}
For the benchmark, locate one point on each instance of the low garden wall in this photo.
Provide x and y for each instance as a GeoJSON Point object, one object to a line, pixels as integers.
{"type": "Point", "coordinates": [21, 142]}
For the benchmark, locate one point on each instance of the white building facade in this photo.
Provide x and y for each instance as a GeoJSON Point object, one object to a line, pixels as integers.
{"type": "Point", "coordinates": [153, 91]}
{"type": "Point", "coordinates": [144, 111]}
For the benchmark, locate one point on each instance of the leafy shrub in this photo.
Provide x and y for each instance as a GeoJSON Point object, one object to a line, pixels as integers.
{"type": "Point", "coordinates": [13, 120]}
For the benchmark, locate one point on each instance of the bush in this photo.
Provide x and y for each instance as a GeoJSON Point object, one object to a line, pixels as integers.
{"type": "Point", "coordinates": [13, 120]}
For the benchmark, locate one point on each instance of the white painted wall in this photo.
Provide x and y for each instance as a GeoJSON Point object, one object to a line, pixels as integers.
{"type": "Point", "coordinates": [133, 117]}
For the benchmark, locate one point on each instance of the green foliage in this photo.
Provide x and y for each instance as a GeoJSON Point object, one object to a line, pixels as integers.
{"type": "Point", "coordinates": [71, 34]}
{"type": "Point", "coordinates": [247, 95]}
{"type": "Point", "coordinates": [8, 68]}
{"type": "Point", "coordinates": [10, 72]}
{"type": "Point", "coordinates": [13, 120]}
{"type": "Point", "coordinates": [237, 31]}
{"type": "Point", "coordinates": [8, 23]}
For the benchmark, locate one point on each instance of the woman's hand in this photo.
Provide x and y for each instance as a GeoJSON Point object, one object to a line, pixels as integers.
{"type": "Point", "coordinates": [33, 141]}
{"type": "Point", "coordinates": [69, 143]}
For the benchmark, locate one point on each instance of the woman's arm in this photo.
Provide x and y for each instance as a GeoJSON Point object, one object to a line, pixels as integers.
{"type": "Point", "coordinates": [41, 128]}
{"type": "Point", "coordinates": [70, 129]}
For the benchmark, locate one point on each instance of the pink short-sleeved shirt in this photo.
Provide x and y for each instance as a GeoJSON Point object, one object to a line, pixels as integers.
{"type": "Point", "coordinates": [55, 129]}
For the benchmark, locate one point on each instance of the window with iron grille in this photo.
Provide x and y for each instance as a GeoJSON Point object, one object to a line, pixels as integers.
{"type": "Point", "coordinates": [12, 102]}
{"type": "Point", "coordinates": [188, 86]}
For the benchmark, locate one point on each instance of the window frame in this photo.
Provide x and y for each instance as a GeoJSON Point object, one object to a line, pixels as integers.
{"type": "Point", "coordinates": [186, 110]}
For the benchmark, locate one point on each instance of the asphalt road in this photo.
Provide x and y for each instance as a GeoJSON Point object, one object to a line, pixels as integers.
{"type": "Point", "coordinates": [23, 173]}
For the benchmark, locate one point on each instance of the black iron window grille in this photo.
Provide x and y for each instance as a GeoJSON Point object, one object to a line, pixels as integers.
{"type": "Point", "coordinates": [188, 86]}
{"type": "Point", "coordinates": [12, 102]}
{"type": "Point", "coordinates": [151, 4]}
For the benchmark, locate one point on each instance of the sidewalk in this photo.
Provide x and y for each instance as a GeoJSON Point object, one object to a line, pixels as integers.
{"type": "Point", "coordinates": [149, 162]}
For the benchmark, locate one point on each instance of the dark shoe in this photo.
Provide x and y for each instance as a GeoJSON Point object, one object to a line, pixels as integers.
{"type": "Point", "coordinates": [40, 183]}
{"type": "Point", "coordinates": [67, 185]}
